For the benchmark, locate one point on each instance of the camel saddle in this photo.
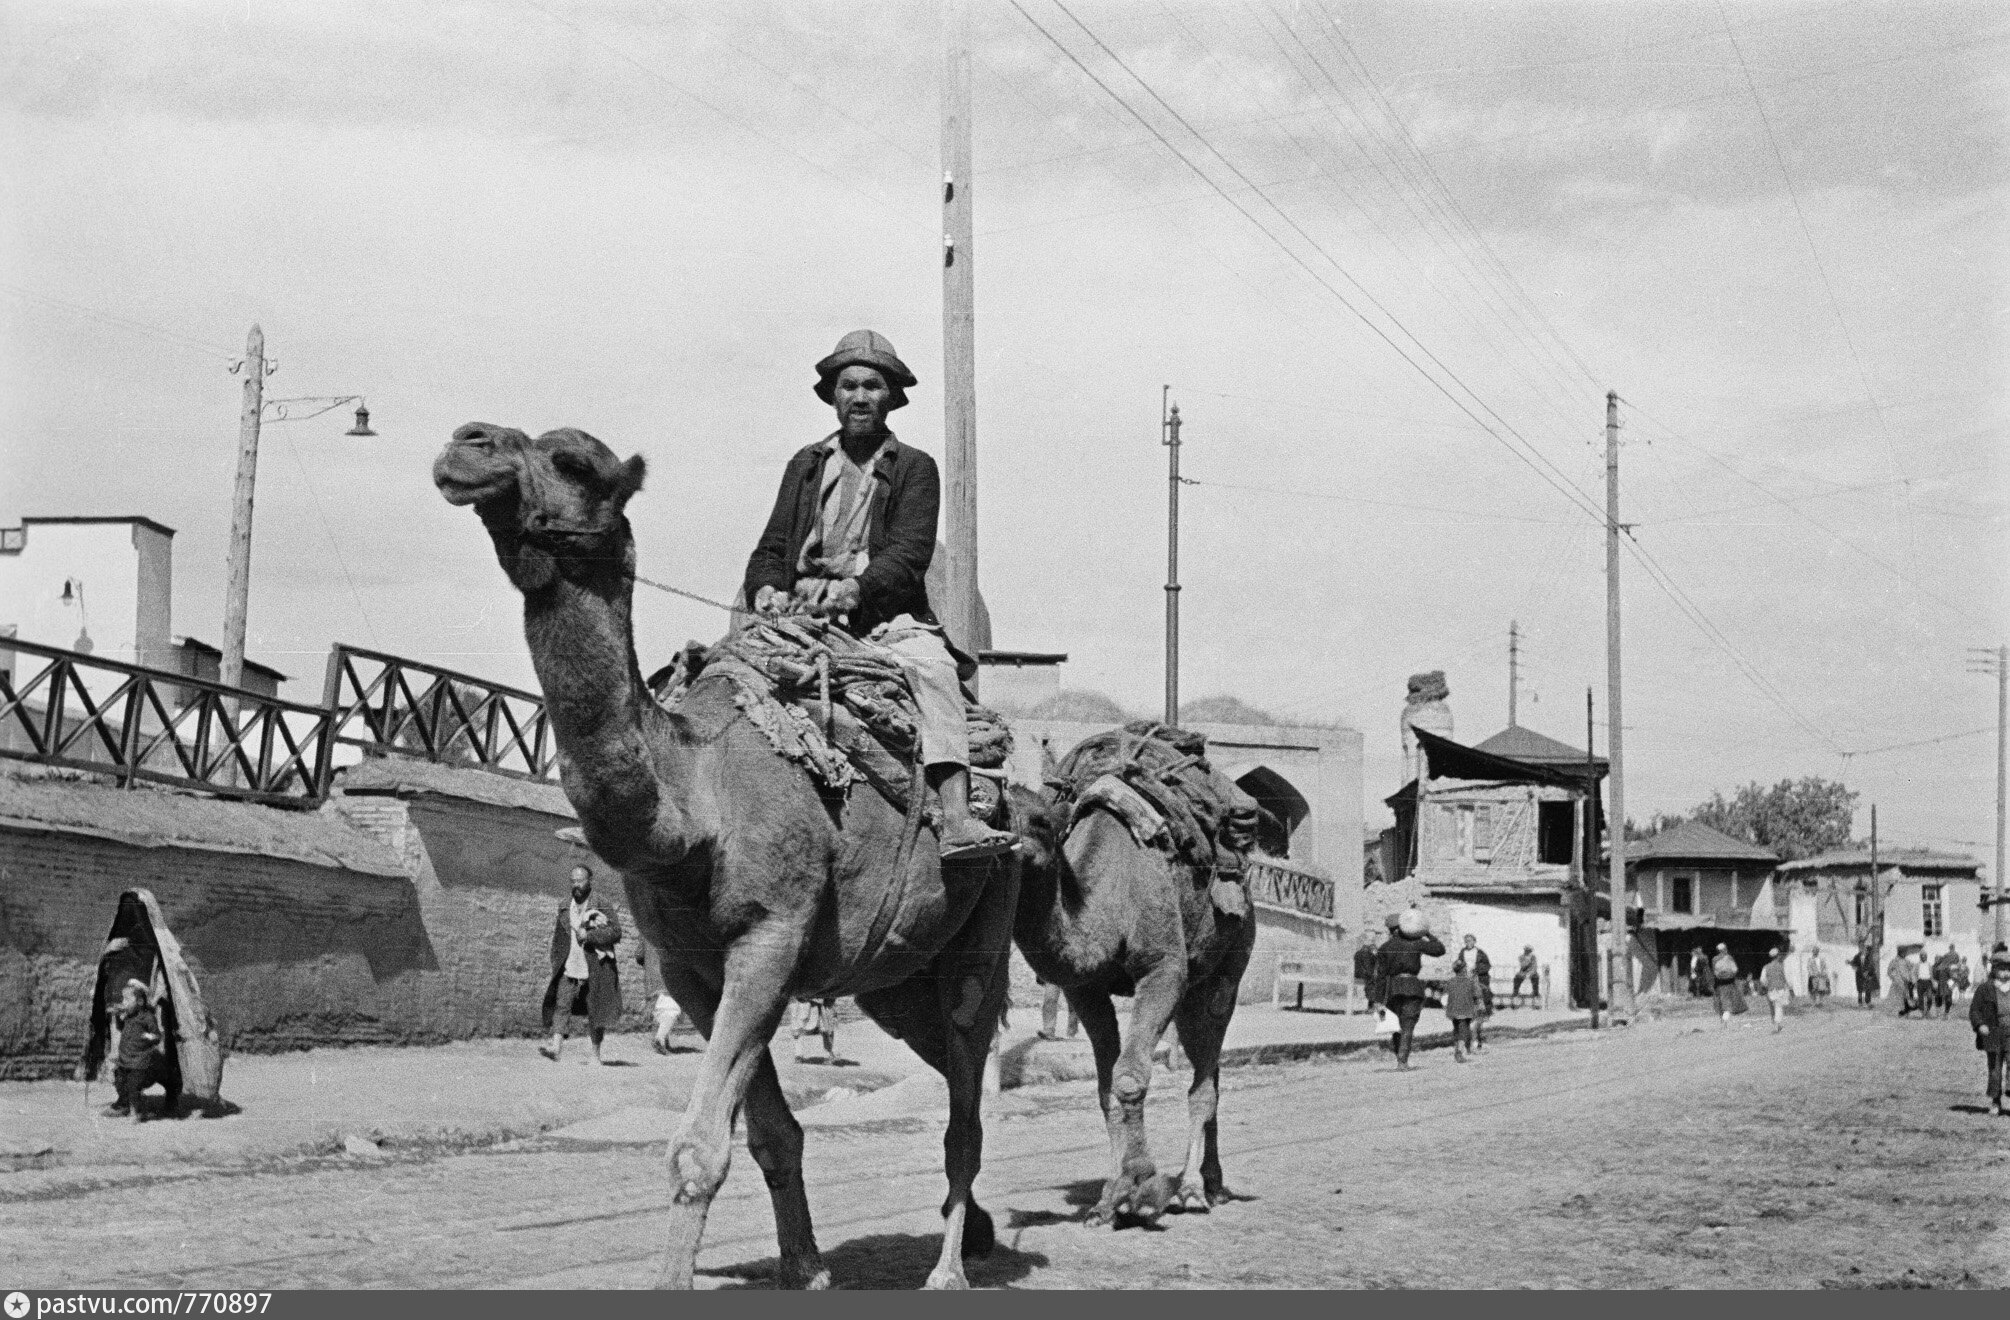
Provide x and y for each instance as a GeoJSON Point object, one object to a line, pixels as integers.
{"type": "Point", "coordinates": [1157, 780]}
{"type": "Point", "coordinates": [837, 706]}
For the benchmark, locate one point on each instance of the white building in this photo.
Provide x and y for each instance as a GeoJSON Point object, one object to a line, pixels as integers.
{"type": "Point", "coordinates": [99, 585]}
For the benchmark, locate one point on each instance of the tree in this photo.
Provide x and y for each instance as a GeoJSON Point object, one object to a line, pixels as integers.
{"type": "Point", "coordinates": [1796, 818]}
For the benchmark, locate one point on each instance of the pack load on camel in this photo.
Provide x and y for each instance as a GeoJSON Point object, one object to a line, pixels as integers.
{"type": "Point", "coordinates": [141, 948]}
{"type": "Point", "coordinates": [838, 706]}
{"type": "Point", "coordinates": [1157, 780]}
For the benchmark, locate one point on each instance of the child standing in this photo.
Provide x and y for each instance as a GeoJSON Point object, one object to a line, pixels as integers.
{"type": "Point", "coordinates": [142, 1054]}
{"type": "Point", "coordinates": [1462, 1005]}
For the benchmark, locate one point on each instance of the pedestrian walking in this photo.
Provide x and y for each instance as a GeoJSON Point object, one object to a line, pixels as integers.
{"type": "Point", "coordinates": [1462, 1006]}
{"type": "Point", "coordinates": [1526, 969]}
{"type": "Point", "coordinates": [584, 978]}
{"type": "Point", "coordinates": [1923, 979]}
{"type": "Point", "coordinates": [1905, 980]}
{"type": "Point", "coordinates": [1482, 968]}
{"type": "Point", "coordinates": [816, 1019]}
{"type": "Point", "coordinates": [1050, 1013]}
{"type": "Point", "coordinates": [1774, 985]}
{"type": "Point", "coordinates": [1989, 1014]}
{"type": "Point", "coordinates": [1818, 977]}
{"type": "Point", "coordinates": [1401, 958]}
{"type": "Point", "coordinates": [1863, 968]}
{"type": "Point", "coordinates": [1699, 973]}
{"type": "Point", "coordinates": [1729, 994]}
{"type": "Point", "coordinates": [1943, 980]}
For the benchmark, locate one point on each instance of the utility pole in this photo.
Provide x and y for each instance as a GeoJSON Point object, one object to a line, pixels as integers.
{"type": "Point", "coordinates": [1620, 970]}
{"type": "Point", "coordinates": [1876, 896]}
{"type": "Point", "coordinates": [1586, 844]}
{"type": "Point", "coordinates": [1169, 425]}
{"type": "Point", "coordinates": [1514, 660]}
{"type": "Point", "coordinates": [1997, 662]}
{"type": "Point", "coordinates": [959, 332]}
{"type": "Point", "coordinates": [237, 588]}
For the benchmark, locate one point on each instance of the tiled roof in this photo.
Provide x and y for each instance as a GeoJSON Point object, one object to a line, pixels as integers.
{"type": "Point", "coordinates": [1519, 744]}
{"type": "Point", "coordinates": [1923, 859]}
{"type": "Point", "coordinates": [1691, 840]}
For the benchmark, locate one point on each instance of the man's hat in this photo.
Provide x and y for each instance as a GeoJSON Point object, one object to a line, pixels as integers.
{"type": "Point", "coordinates": [1999, 961]}
{"type": "Point", "coordinates": [865, 348]}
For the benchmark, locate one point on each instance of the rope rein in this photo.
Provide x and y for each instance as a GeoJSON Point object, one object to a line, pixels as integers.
{"type": "Point", "coordinates": [689, 595]}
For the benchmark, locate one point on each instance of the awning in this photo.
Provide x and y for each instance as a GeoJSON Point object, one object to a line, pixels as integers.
{"type": "Point", "coordinates": [1450, 760]}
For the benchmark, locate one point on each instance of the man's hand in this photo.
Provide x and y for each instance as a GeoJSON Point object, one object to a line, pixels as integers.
{"type": "Point", "coordinates": [769, 601]}
{"type": "Point", "coordinates": [844, 597]}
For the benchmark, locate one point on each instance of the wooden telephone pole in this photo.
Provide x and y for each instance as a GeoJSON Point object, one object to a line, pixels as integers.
{"type": "Point", "coordinates": [959, 335]}
{"type": "Point", "coordinates": [1620, 971]}
{"type": "Point", "coordinates": [1514, 667]}
{"type": "Point", "coordinates": [1997, 662]}
{"type": "Point", "coordinates": [1169, 428]}
{"type": "Point", "coordinates": [237, 586]}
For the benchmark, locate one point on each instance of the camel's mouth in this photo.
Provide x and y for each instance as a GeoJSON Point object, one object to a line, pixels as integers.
{"type": "Point", "coordinates": [475, 468]}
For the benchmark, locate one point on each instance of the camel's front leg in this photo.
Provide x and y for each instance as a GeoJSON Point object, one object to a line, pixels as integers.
{"type": "Point", "coordinates": [1136, 1188]}
{"type": "Point", "coordinates": [756, 992]}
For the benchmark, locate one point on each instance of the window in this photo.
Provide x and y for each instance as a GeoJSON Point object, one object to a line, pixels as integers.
{"type": "Point", "coordinates": [1685, 894]}
{"type": "Point", "coordinates": [1553, 832]}
{"type": "Point", "coordinates": [1862, 912]}
{"type": "Point", "coordinates": [1932, 920]}
{"type": "Point", "coordinates": [1465, 827]}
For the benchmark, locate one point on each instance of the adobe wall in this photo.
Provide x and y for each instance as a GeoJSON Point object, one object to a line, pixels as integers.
{"type": "Point", "coordinates": [290, 953]}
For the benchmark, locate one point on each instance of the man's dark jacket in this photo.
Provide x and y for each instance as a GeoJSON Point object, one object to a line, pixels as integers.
{"type": "Point", "coordinates": [1401, 957]}
{"type": "Point", "coordinates": [900, 533]}
{"type": "Point", "coordinates": [603, 979]}
{"type": "Point", "coordinates": [1988, 1009]}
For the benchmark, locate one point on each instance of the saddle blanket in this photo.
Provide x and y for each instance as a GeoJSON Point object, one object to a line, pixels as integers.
{"type": "Point", "coordinates": [837, 706]}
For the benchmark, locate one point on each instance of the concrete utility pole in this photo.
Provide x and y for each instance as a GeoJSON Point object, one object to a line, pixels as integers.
{"type": "Point", "coordinates": [237, 587]}
{"type": "Point", "coordinates": [1169, 427]}
{"type": "Point", "coordinates": [1620, 970]}
{"type": "Point", "coordinates": [1514, 664]}
{"type": "Point", "coordinates": [1997, 662]}
{"type": "Point", "coordinates": [959, 333]}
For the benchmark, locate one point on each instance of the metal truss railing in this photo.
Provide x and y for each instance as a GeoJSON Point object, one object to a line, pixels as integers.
{"type": "Point", "coordinates": [389, 706]}
{"type": "Point", "coordinates": [64, 708]}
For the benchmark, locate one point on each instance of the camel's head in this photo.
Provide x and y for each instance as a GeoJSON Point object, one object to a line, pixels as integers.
{"type": "Point", "coordinates": [553, 505]}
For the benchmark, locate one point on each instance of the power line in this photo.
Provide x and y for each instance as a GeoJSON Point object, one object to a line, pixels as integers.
{"type": "Point", "coordinates": [124, 323]}
{"type": "Point", "coordinates": [1389, 504]}
{"type": "Point", "coordinates": [1924, 742]}
{"type": "Point", "coordinates": [1891, 568]}
{"type": "Point", "coordinates": [1563, 487]}
{"type": "Point", "coordinates": [1794, 195]}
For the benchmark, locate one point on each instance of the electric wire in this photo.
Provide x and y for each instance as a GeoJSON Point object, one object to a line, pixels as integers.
{"type": "Point", "coordinates": [1821, 269]}
{"type": "Point", "coordinates": [123, 322]}
{"type": "Point", "coordinates": [1562, 486]}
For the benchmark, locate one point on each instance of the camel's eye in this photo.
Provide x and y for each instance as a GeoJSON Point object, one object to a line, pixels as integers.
{"type": "Point", "coordinates": [572, 465]}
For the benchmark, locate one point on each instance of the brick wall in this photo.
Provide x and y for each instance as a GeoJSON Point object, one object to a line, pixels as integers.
{"type": "Point", "coordinates": [291, 954]}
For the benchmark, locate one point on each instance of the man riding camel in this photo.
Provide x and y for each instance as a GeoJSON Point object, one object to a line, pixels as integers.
{"type": "Point", "coordinates": [851, 537]}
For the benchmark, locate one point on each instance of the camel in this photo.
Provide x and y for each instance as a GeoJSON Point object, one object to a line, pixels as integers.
{"type": "Point", "coordinates": [752, 887]}
{"type": "Point", "coordinates": [1101, 914]}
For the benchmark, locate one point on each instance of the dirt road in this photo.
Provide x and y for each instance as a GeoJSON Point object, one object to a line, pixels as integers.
{"type": "Point", "coordinates": [1848, 1151]}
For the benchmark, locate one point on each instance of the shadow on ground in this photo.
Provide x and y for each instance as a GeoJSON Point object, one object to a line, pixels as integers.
{"type": "Point", "coordinates": [899, 1261]}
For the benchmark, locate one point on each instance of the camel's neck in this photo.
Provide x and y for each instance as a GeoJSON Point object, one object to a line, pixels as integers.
{"type": "Point", "coordinates": [623, 778]}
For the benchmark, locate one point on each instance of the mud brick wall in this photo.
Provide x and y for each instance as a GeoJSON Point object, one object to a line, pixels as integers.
{"type": "Point", "coordinates": [291, 954]}
{"type": "Point", "coordinates": [489, 881]}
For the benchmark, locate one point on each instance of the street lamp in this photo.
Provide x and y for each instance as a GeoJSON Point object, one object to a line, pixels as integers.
{"type": "Point", "coordinates": [257, 409]}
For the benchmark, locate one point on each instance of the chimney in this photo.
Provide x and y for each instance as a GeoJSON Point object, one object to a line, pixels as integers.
{"type": "Point", "coordinates": [1424, 708]}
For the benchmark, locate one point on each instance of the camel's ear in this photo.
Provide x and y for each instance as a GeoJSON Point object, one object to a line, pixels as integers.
{"type": "Point", "coordinates": [631, 476]}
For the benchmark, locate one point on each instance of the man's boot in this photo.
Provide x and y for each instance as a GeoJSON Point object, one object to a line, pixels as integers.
{"type": "Point", "coordinates": [551, 1051]}
{"type": "Point", "coordinates": [964, 837]}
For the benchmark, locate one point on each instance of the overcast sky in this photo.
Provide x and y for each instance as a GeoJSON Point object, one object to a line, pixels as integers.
{"type": "Point", "coordinates": [1777, 230]}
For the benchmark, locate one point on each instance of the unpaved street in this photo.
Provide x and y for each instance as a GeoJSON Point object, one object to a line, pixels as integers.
{"type": "Point", "coordinates": [1848, 1151]}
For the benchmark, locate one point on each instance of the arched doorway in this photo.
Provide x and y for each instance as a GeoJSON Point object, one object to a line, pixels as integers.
{"type": "Point", "coordinates": [1275, 794]}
